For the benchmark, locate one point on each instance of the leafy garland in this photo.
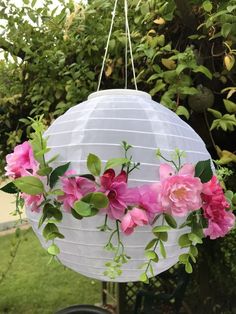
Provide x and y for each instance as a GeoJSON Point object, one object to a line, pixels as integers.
{"type": "Point", "coordinates": [35, 184]}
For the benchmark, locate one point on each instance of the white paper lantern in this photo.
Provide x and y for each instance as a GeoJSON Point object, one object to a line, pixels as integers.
{"type": "Point", "coordinates": [98, 126]}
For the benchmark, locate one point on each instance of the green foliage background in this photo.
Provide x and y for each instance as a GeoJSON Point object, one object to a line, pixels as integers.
{"type": "Point", "coordinates": [184, 53]}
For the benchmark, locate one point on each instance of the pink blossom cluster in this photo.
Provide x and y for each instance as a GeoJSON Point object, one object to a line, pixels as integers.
{"type": "Point", "coordinates": [220, 221]}
{"type": "Point", "coordinates": [22, 163]}
{"type": "Point", "coordinates": [178, 194]}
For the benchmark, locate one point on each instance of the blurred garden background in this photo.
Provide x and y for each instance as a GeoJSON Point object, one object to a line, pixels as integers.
{"type": "Point", "coordinates": [51, 56]}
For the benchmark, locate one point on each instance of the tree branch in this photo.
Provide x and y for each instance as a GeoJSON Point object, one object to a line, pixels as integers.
{"type": "Point", "coordinates": [7, 46]}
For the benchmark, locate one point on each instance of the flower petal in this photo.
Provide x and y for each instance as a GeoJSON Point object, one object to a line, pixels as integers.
{"type": "Point", "coordinates": [166, 171]}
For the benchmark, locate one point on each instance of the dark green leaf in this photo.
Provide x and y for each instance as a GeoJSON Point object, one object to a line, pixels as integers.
{"type": "Point", "coordinates": [203, 170]}
{"type": "Point", "coordinates": [55, 235]}
{"type": "Point", "coordinates": [88, 176]}
{"type": "Point", "coordinates": [170, 221]}
{"type": "Point", "coordinates": [51, 211]}
{"type": "Point", "coordinates": [151, 244]}
{"type": "Point", "coordinates": [49, 229]}
{"type": "Point", "coordinates": [41, 220]}
{"type": "Point", "coordinates": [94, 164]}
{"type": "Point", "coordinates": [29, 185]}
{"type": "Point", "coordinates": [9, 188]}
{"type": "Point", "coordinates": [163, 236]}
{"type": "Point", "coordinates": [58, 172]}
{"type": "Point", "coordinates": [75, 214]}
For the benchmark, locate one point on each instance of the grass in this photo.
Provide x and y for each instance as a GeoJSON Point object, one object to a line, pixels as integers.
{"type": "Point", "coordinates": [32, 286]}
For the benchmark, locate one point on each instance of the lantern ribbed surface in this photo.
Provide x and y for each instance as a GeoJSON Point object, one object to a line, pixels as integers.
{"type": "Point", "coordinates": [98, 126]}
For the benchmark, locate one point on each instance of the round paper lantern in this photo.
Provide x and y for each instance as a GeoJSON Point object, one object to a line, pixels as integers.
{"type": "Point", "coordinates": [98, 126]}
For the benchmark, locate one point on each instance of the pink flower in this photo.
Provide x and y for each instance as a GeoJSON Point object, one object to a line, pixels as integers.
{"type": "Point", "coordinates": [214, 207]}
{"type": "Point", "coordinates": [148, 195]}
{"type": "Point", "coordinates": [33, 201]}
{"type": "Point", "coordinates": [21, 162]}
{"type": "Point", "coordinates": [115, 188]}
{"type": "Point", "coordinates": [133, 218]}
{"type": "Point", "coordinates": [74, 189]}
{"type": "Point", "coordinates": [179, 194]}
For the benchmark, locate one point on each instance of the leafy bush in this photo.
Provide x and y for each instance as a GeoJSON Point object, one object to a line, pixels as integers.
{"type": "Point", "coordinates": [184, 53]}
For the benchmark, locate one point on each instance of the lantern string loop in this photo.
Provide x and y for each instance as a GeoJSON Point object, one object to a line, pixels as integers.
{"type": "Point", "coordinates": [128, 42]}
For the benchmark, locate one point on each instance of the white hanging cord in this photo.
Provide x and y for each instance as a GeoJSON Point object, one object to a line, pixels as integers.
{"type": "Point", "coordinates": [130, 44]}
{"type": "Point", "coordinates": [107, 45]}
{"type": "Point", "coordinates": [126, 55]}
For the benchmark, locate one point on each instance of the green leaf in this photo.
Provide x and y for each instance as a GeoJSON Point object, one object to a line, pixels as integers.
{"type": "Point", "coordinates": [144, 278]}
{"type": "Point", "coordinates": [115, 162]}
{"type": "Point", "coordinates": [82, 208]}
{"type": "Point", "coordinates": [162, 249]}
{"type": "Point", "coordinates": [226, 29]}
{"type": "Point", "coordinates": [170, 221]}
{"type": "Point", "coordinates": [57, 192]}
{"type": "Point", "coordinates": [163, 236]}
{"type": "Point", "coordinates": [94, 164]}
{"type": "Point", "coordinates": [75, 214]}
{"type": "Point", "coordinates": [160, 229]}
{"type": "Point", "coordinates": [151, 244]}
{"type": "Point", "coordinates": [49, 229]}
{"type": "Point", "coordinates": [26, 1]}
{"type": "Point", "coordinates": [88, 176]}
{"type": "Point", "coordinates": [44, 171]}
{"type": "Point", "coordinates": [151, 255]}
{"type": "Point", "coordinates": [188, 268]}
{"type": "Point", "coordinates": [230, 106]}
{"type": "Point", "coordinates": [194, 250]}
{"type": "Point", "coordinates": [182, 111]}
{"type": "Point", "coordinates": [33, 3]}
{"type": "Point", "coordinates": [204, 71]}
{"type": "Point", "coordinates": [29, 185]}
{"type": "Point", "coordinates": [217, 114]}
{"type": "Point", "coordinates": [184, 240]}
{"type": "Point", "coordinates": [97, 199]}
{"type": "Point", "coordinates": [203, 170]}
{"type": "Point", "coordinates": [58, 172]}
{"type": "Point", "coordinates": [51, 211]}
{"type": "Point", "coordinates": [186, 90]}
{"type": "Point", "coordinates": [53, 250]}
{"type": "Point", "coordinates": [194, 238]}
{"type": "Point", "coordinates": [183, 258]}
{"type": "Point", "coordinates": [9, 188]}
{"type": "Point", "coordinates": [55, 235]}
{"type": "Point", "coordinates": [207, 6]}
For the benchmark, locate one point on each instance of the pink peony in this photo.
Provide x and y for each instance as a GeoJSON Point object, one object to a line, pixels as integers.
{"type": "Point", "coordinates": [133, 218]}
{"type": "Point", "coordinates": [115, 188]}
{"type": "Point", "coordinates": [214, 206]}
{"type": "Point", "coordinates": [179, 194]}
{"type": "Point", "coordinates": [21, 162]}
{"type": "Point", "coordinates": [74, 189]}
{"type": "Point", "coordinates": [33, 201]}
{"type": "Point", "coordinates": [148, 200]}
